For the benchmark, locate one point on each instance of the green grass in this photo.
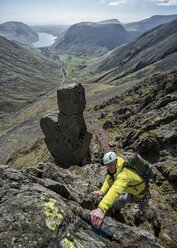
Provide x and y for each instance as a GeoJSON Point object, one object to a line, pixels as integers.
{"type": "Point", "coordinates": [72, 64]}
{"type": "Point", "coordinates": [33, 49]}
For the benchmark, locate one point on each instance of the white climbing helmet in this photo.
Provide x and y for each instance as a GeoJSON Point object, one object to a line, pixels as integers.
{"type": "Point", "coordinates": [109, 157]}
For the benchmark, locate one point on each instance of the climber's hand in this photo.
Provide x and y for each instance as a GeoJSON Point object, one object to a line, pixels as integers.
{"type": "Point", "coordinates": [97, 193]}
{"type": "Point", "coordinates": [97, 217]}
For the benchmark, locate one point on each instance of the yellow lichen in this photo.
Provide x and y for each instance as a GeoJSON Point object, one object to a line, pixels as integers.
{"type": "Point", "coordinates": [85, 184]}
{"type": "Point", "coordinates": [68, 244]}
{"type": "Point", "coordinates": [71, 244]}
{"type": "Point", "coordinates": [52, 200]}
{"type": "Point", "coordinates": [78, 245]}
{"type": "Point", "coordinates": [53, 217]}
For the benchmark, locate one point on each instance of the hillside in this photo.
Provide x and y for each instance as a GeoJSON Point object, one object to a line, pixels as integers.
{"type": "Point", "coordinates": [145, 25]}
{"type": "Point", "coordinates": [142, 119]}
{"type": "Point", "coordinates": [153, 52]}
{"type": "Point", "coordinates": [18, 32]}
{"type": "Point", "coordinates": [24, 76]}
{"type": "Point", "coordinates": [92, 38]}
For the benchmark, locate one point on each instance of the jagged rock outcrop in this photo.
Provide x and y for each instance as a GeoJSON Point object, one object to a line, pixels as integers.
{"type": "Point", "coordinates": [144, 119]}
{"type": "Point", "coordinates": [49, 207]}
{"type": "Point", "coordinates": [67, 139]}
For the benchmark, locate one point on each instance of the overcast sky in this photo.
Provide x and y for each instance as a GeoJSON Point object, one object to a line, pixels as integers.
{"type": "Point", "coordinates": [72, 11]}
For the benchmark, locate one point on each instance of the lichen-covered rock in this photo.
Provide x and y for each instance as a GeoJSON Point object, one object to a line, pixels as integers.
{"type": "Point", "coordinates": [67, 139]}
{"type": "Point", "coordinates": [146, 145]}
{"type": "Point", "coordinates": [37, 210]}
{"type": "Point", "coordinates": [146, 219]}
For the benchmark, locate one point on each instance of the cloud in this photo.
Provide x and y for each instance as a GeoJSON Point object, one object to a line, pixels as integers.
{"type": "Point", "coordinates": [102, 1]}
{"type": "Point", "coordinates": [165, 2]}
{"type": "Point", "coordinates": [115, 3]}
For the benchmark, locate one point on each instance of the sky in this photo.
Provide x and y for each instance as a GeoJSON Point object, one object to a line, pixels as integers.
{"type": "Point", "coordinates": [54, 12]}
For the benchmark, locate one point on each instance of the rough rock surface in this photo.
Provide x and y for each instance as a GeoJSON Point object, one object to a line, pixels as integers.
{"type": "Point", "coordinates": [49, 207]}
{"type": "Point", "coordinates": [144, 120]}
{"type": "Point", "coordinates": [67, 139]}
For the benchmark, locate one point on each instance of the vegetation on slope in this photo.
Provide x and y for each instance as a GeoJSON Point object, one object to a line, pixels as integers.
{"type": "Point", "coordinates": [73, 64]}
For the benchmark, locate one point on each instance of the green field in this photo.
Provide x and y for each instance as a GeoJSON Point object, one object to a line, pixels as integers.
{"type": "Point", "coordinates": [72, 64]}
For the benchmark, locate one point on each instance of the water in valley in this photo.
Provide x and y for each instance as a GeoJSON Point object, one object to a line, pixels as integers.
{"type": "Point", "coordinates": [45, 40]}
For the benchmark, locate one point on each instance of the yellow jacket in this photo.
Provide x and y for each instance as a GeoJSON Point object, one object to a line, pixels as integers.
{"type": "Point", "coordinates": [122, 181]}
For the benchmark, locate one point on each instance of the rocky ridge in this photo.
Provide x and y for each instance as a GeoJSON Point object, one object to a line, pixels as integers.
{"type": "Point", "coordinates": [144, 119]}
{"type": "Point", "coordinates": [146, 116]}
{"type": "Point", "coordinates": [47, 207]}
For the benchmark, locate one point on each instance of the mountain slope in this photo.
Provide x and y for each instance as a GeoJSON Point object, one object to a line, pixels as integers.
{"type": "Point", "coordinates": [23, 77]}
{"type": "Point", "coordinates": [98, 38]}
{"type": "Point", "coordinates": [18, 32]}
{"type": "Point", "coordinates": [148, 24]}
{"type": "Point", "coordinates": [92, 38]}
{"type": "Point", "coordinates": [154, 50]}
{"type": "Point", "coordinates": [143, 119]}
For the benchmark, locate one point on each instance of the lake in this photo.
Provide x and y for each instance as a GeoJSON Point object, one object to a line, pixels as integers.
{"type": "Point", "coordinates": [45, 40]}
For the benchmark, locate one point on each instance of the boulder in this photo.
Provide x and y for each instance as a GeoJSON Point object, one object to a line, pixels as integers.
{"type": "Point", "coordinates": [171, 136]}
{"type": "Point", "coordinates": [146, 144]}
{"type": "Point", "coordinates": [67, 138]}
{"type": "Point", "coordinates": [165, 100]}
{"type": "Point", "coordinates": [173, 175]}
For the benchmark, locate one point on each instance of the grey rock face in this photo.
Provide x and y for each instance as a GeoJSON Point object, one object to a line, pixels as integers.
{"type": "Point", "coordinates": [49, 207]}
{"type": "Point", "coordinates": [67, 139]}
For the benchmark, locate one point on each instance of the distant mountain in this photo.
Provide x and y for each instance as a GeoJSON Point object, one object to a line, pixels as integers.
{"type": "Point", "coordinates": [148, 24]}
{"type": "Point", "coordinates": [18, 32]}
{"type": "Point", "coordinates": [55, 30]}
{"type": "Point", "coordinates": [24, 76]}
{"type": "Point", "coordinates": [154, 51]}
{"type": "Point", "coordinates": [110, 21]}
{"type": "Point", "coordinates": [92, 38]}
{"type": "Point", "coordinates": [97, 39]}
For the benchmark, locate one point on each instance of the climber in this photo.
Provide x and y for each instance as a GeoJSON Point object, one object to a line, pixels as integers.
{"type": "Point", "coordinates": [119, 179]}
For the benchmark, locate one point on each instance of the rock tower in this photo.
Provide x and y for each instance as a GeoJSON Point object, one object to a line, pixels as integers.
{"type": "Point", "coordinates": [67, 139]}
